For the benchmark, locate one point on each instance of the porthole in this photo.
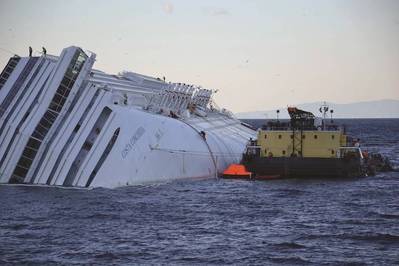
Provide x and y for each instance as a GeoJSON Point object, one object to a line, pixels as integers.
{"type": "Point", "coordinates": [332, 136]}
{"type": "Point", "coordinates": [303, 136]}
{"type": "Point", "coordinates": [332, 152]}
{"type": "Point", "coordinates": [279, 136]}
{"type": "Point", "coordinates": [315, 136]}
{"type": "Point", "coordinates": [283, 152]}
{"type": "Point", "coordinates": [265, 136]}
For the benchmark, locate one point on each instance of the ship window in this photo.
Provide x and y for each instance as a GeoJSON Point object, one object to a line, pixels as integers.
{"type": "Point", "coordinates": [315, 136]}
{"type": "Point", "coordinates": [279, 136]}
{"type": "Point", "coordinates": [87, 146]}
{"type": "Point", "coordinates": [103, 157]}
{"type": "Point", "coordinates": [20, 123]}
{"type": "Point", "coordinates": [283, 152]}
{"type": "Point", "coordinates": [332, 136]}
{"type": "Point", "coordinates": [17, 85]}
{"type": "Point", "coordinates": [12, 63]}
{"type": "Point", "coordinates": [49, 117]}
{"type": "Point", "coordinates": [292, 136]}
{"type": "Point", "coordinates": [332, 152]}
{"type": "Point", "coordinates": [303, 136]}
{"type": "Point", "coordinates": [265, 136]}
{"type": "Point", "coordinates": [24, 90]}
{"type": "Point", "coordinates": [71, 137]}
{"type": "Point", "coordinates": [76, 128]}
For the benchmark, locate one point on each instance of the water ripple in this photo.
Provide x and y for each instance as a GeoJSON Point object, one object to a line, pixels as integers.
{"type": "Point", "coordinates": [294, 222]}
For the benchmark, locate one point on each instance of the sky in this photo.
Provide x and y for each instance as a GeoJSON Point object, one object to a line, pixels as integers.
{"type": "Point", "coordinates": [258, 54]}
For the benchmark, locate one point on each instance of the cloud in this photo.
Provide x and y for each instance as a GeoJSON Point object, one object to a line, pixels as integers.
{"type": "Point", "coordinates": [215, 11]}
{"type": "Point", "coordinates": [168, 7]}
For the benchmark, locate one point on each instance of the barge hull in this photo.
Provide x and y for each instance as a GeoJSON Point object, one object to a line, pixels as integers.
{"type": "Point", "coordinates": [304, 167]}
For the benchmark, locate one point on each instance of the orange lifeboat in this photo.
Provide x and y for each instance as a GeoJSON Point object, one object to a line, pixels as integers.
{"type": "Point", "coordinates": [237, 171]}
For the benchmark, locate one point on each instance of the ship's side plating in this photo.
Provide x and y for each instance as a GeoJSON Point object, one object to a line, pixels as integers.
{"type": "Point", "coordinates": [64, 123]}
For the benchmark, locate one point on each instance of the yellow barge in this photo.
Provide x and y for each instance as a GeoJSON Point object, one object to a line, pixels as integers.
{"type": "Point", "coordinates": [305, 146]}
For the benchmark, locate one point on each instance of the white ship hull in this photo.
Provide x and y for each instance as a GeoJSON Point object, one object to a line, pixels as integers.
{"type": "Point", "coordinates": [65, 124]}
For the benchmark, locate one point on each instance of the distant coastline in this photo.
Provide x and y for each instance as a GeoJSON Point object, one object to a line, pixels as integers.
{"type": "Point", "coordinates": [387, 108]}
{"type": "Point", "coordinates": [259, 122]}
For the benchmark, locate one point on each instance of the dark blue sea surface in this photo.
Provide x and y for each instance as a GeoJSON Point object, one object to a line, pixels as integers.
{"type": "Point", "coordinates": [293, 222]}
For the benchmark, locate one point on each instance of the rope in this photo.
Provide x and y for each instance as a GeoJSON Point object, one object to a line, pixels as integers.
{"type": "Point", "coordinates": [207, 145]}
{"type": "Point", "coordinates": [201, 153]}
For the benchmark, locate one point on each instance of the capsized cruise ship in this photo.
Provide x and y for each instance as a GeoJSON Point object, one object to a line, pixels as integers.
{"type": "Point", "coordinates": [63, 123]}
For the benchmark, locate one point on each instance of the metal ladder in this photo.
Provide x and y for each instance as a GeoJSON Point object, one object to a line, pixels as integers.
{"type": "Point", "coordinates": [297, 142]}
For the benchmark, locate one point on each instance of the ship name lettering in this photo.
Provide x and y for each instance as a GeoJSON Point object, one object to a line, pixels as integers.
{"type": "Point", "coordinates": [132, 141]}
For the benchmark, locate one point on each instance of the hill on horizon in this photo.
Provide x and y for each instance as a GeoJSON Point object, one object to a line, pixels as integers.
{"type": "Point", "coordinates": [386, 108]}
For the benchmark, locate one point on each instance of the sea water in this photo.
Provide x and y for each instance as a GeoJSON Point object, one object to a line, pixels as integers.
{"type": "Point", "coordinates": [215, 221]}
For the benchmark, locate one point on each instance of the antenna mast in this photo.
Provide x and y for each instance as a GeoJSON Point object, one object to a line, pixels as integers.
{"type": "Point", "coordinates": [323, 110]}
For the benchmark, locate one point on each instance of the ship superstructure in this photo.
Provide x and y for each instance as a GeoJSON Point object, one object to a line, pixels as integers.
{"type": "Point", "coordinates": [64, 123]}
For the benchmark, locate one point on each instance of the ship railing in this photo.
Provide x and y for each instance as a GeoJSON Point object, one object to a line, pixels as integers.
{"type": "Point", "coordinates": [331, 127]}
{"type": "Point", "coordinates": [50, 57]}
{"type": "Point", "coordinates": [253, 150]}
{"type": "Point", "coordinates": [277, 128]}
{"type": "Point", "coordinates": [201, 97]}
{"type": "Point", "coordinates": [172, 97]}
{"type": "Point", "coordinates": [178, 98]}
{"type": "Point", "coordinates": [175, 97]}
{"type": "Point", "coordinates": [347, 152]}
{"type": "Point", "coordinates": [290, 128]}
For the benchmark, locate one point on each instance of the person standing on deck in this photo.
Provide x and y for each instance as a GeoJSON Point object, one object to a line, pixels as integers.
{"type": "Point", "coordinates": [44, 51]}
{"type": "Point", "coordinates": [357, 143]}
{"type": "Point", "coordinates": [30, 51]}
